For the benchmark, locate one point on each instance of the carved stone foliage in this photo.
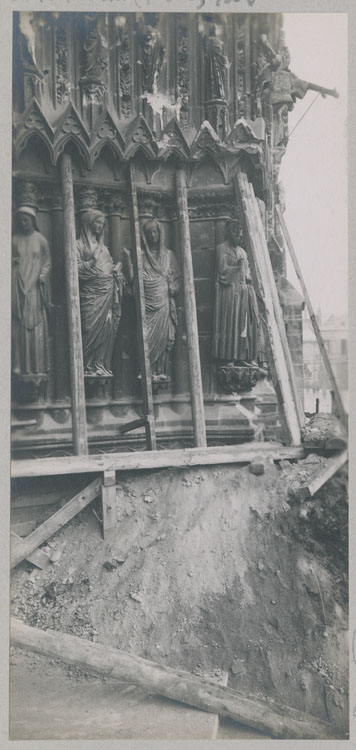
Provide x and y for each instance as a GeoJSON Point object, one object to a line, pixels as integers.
{"type": "Point", "coordinates": [26, 193]}
{"type": "Point", "coordinates": [183, 84]}
{"type": "Point", "coordinates": [62, 61]}
{"type": "Point", "coordinates": [204, 205]}
{"type": "Point", "coordinates": [155, 205]}
{"type": "Point", "coordinates": [241, 71]}
{"type": "Point", "coordinates": [234, 379]}
{"type": "Point", "coordinates": [124, 71]}
{"type": "Point", "coordinates": [86, 197]}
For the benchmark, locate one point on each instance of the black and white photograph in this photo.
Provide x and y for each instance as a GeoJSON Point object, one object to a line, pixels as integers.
{"type": "Point", "coordinates": [179, 517]}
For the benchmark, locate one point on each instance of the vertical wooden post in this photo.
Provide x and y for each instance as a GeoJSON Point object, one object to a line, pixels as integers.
{"type": "Point", "coordinates": [196, 387]}
{"type": "Point", "coordinates": [108, 499]}
{"type": "Point", "coordinates": [145, 368]}
{"type": "Point", "coordinates": [79, 425]}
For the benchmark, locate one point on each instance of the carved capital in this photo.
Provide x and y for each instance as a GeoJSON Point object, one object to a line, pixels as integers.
{"type": "Point", "coordinates": [116, 203]}
{"type": "Point", "coordinates": [27, 193]}
{"type": "Point", "coordinates": [237, 379]}
{"type": "Point", "coordinates": [87, 197]}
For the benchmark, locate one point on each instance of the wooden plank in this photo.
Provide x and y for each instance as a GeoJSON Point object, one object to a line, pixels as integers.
{"type": "Point", "coordinates": [140, 460]}
{"type": "Point", "coordinates": [339, 406]}
{"type": "Point", "coordinates": [21, 549]}
{"type": "Point", "coordinates": [271, 718]}
{"type": "Point", "coordinates": [196, 386]}
{"type": "Point", "coordinates": [134, 425]}
{"type": "Point", "coordinates": [259, 261]}
{"type": "Point", "coordinates": [279, 319]}
{"type": "Point", "coordinates": [144, 360]}
{"type": "Point", "coordinates": [79, 424]}
{"type": "Point", "coordinates": [108, 500]}
{"type": "Point", "coordinates": [37, 558]}
{"type": "Point", "coordinates": [321, 477]}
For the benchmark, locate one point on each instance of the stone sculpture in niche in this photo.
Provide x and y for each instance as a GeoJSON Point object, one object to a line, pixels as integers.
{"type": "Point", "coordinates": [100, 286]}
{"type": "Point", "coordinates": [216, 65]}
{"type": "Point", "coordinates": [161, 280]}
{"type": "Point", "coordinates": [151, 54]}
{"type": "Point", "coordinates": [31, 300]}
{"type": "Point", "coordinates": [94, 61]}
{"type": "Point", "coordinates": [236, 319]}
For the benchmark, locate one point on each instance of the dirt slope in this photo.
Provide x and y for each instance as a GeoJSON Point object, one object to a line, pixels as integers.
{"type": "Point", "coordinates": [211, 570]}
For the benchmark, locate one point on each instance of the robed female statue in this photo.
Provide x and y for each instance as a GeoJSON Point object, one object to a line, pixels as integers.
{"type": "Point", "coordinates": [31, 297]}
{"type": "Point", "coordinates": [216, 65]}
{"type": "Point", "coordinates": [236, 334]}
{"type": "Point", "coordinates": [161, 284]}
{"type": "Point", "coordinates": [100, 288]}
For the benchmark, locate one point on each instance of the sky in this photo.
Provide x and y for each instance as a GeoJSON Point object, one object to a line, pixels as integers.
{"type": "Point", "coordinates": [314, 169]}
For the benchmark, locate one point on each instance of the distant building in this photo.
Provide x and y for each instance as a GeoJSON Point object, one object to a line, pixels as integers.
{"type": "Point", "coordinates": [316, 383]}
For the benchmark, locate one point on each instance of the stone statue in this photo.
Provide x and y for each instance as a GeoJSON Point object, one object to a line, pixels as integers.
{"type": "Point", "coordinates": [216, 66]}
{"type": "Point", "coordinates": [93, 57]}
{"type": "Point", "coordinates": [161, 284]}
{"type": "Point", "coordinates": [236, 329]}
{"type": "Point", "coordinates": [31, 298]}
{"type": "Point", "coordinates": [151, 54]}
{"type": "Point", "coordinates": [284, 88]}
{"type": "Point", "coordinates": [100, 286]}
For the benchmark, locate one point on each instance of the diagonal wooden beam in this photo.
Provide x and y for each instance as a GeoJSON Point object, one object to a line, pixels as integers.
{"type": "Point", "coordinates": [22, 548]}
{"type": "Point", "coordinates": [317, 481]}
{"type": "Point", "coordinates": [37, 558]}
{"type": "Point", "coordinates": [268, 717]}
{"type": "Point", "coordinates": [282, 377]}
{"type": "Point", "coordinates": [339, 406]}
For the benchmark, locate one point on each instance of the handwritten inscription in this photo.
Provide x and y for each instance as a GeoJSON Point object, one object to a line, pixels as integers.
{"type": "Point", "coordinates": [144, 4]}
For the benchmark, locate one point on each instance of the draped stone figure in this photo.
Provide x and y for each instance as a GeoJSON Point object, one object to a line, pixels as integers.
{"type": "Point", "coordinates": [31, 298]}
{"type": "Point", "coordinates": [100, 286]}
{"type": "Point", "coordinates": [151, 53]}
{"type": "Point", "coordinates": [236, 330]}
{"type": "Point", "coordinates": [161, 284]}
{"type": "Point", "coordinates": [216, 65]}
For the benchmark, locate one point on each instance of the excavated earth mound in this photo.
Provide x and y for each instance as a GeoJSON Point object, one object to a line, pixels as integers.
{"type": "Point", "coordinates": [212, 570]}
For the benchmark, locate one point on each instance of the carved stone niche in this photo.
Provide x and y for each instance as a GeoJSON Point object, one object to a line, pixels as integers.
{"type": "Point", "coordinates": [234, 379]}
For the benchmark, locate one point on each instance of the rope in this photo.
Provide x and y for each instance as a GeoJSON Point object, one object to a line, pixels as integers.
{"type": "Point", "coordinates": [306, 111]}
